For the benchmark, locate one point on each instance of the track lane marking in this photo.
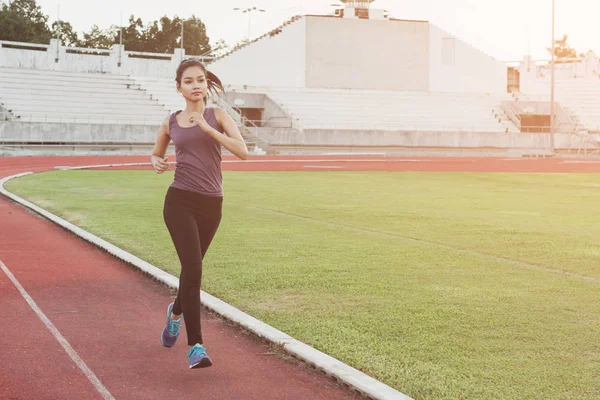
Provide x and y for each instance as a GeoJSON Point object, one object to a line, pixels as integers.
{"type": "Point", "coordinates": [59, 337]}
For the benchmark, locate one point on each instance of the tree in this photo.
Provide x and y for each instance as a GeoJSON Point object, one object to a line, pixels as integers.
{"type": "Point", "coordinates": [24, 21]}
{"type": "Point", "coordinates": [134, 36]}
{"type": "Point", "coordinates": [163, 38]}
{"type": "Point", "coordinates": [562, 50]}
{"type": "Point", "coordinates": [98, 38]}
{"type": "Point", "coordinates": [67, 36]}
{"type": "Point", "coordinates": [164, 35]}
{"type": "Point", "coordinates": [195, 41]}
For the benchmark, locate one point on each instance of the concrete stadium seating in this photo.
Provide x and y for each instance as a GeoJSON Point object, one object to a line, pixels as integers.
{"type": "Point", "coordinates": [367, 110]}
{"type": "Point", "coordinates": [49, 96]}
{"type": "Point", "coordinates": [582, 97]}
{"type": "Point", "coordinates": [393, 110]}
{"type": "Point", "coordinates": [162, 90]}
{"type": "Point", "coordinates": [71, 98]}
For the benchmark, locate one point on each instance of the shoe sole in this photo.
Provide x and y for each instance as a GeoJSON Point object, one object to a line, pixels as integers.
{"type": "Point", "coordinates": [204, 363]}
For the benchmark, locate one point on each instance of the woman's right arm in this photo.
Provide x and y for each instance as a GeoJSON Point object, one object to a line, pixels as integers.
{"type": "Point", "coordinates": [158, 159]}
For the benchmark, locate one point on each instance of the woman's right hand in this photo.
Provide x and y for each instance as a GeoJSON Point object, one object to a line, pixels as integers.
{"type": "Point", "coordinates": [159, 164]}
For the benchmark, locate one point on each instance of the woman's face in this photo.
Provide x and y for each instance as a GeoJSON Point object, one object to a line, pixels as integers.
{"type": "Point", "coordinates": [193, 84]}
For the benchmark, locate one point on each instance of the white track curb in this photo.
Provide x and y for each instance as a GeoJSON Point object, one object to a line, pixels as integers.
{"type": "Point", "coordinates": [361, 382]}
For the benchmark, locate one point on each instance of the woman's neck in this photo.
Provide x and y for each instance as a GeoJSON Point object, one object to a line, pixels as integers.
{"type": "Point", "coordinates": [195, 106]}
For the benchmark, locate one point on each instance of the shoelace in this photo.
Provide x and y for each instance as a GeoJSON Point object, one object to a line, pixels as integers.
{"type": "Point", "coordinates": [197, 351]}
{"type": "Point", "coordinates": [174, 327]}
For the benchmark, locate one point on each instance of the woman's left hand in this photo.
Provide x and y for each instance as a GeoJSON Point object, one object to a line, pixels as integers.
{"type": "Point", "coordinates": [198, 119]}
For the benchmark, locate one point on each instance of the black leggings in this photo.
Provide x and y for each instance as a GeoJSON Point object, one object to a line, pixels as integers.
{"type": "Point", "coordinates": [192, 220]}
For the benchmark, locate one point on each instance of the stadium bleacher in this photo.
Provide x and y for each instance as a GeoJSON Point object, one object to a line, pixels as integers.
{"type": "Point", "coordinates": [393, 110]}
{"type": "Point", "coordinates": [364, 109]}
{"type": "Point", "coordinates": [582, 97]}
{"type": "Point", "coordinates": [74, 97]}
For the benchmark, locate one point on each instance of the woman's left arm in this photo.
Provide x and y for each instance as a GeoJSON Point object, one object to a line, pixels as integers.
{"type": "Point", "coordinates": [232, 140]}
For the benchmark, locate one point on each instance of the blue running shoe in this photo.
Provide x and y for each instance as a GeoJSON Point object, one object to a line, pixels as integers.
{"type": "Point", "coordinates": [171, 331]}
{"type": "Point", "coordinates": [198, 358]}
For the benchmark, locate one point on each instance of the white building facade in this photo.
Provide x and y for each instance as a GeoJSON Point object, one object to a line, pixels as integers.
{"type": "Point", "coordinates": [306, 52]}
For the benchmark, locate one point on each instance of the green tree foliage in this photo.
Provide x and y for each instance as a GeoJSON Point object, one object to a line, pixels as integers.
{"type": "Point", "coordinates": [134, 35]}
{"type": "Point", "coordinates": [164, 35]}
{"type": "Point", "coordinates": [195, 40]}
{"type": "Point", "coordinates": [24, 21]}
{"type": "Point", "coordinates": [68, 37]}
{"type": "Point", "coordinates": [97, 38]}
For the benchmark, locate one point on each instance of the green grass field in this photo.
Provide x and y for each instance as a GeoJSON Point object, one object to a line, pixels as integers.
{"type": "Point", "coordinates": [442, 285]}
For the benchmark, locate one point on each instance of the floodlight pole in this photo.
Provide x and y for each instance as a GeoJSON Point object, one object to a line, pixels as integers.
{"type": "Point", "coordinates": [249, 12]}
{"type": "Point", "coordinates": [57, 35]}
{"type": "Point", "coordinates": [552, 107]}
{"type": "Point", "coordinates": [120, 39]}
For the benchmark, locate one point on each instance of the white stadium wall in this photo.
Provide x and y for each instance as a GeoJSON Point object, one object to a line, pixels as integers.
{"type": "Point", "coordinates": [456, 66]}
{"type": "Point", "coordinates": [367, 54]}
{"type": "Point", "coordinates": [30, 55]}
{"type": "Point", "coordinates": [73, 59]}
{"type": "Point", "coordinates": [535, 74]}
{"type": "Point", "coordinates": [279, 60]}
{"type": "Point", "coordinates": [310, 52]}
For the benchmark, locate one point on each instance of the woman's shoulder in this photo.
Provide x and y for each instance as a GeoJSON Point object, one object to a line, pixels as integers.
{"type": "Point", "coordinates": [172, 118]}
{"type": "Point", "coordinates": [218, 116]}
{"type": "Point", "coordinates": [215, 108]}
{"type": "Point", "coordinates": [218, 112]}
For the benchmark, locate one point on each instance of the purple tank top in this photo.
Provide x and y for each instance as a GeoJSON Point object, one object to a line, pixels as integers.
{"type": "Point", "coordinates": [198, 164]}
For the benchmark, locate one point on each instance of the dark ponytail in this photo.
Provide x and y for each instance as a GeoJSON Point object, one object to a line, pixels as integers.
{"type": "Point", "coordinates": [214, 83]}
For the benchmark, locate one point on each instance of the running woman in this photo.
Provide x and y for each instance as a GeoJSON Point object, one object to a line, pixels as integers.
{"type": "Point", "coordinates": [193, 203]}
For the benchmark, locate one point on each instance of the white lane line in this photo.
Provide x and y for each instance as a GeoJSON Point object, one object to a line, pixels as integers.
{"type": "Point", "coordinates": [61, 339]}
{"type": "Point", "coordinates": [581, 162]}
{"type": "Point", "coordinates": [64, 167]}
{"type": "Point", "coordinates": [322, 166]}
{"type": "Point", "coordinates": [330, 160]}
{"type": "Point", "coordinates": [406, 160]}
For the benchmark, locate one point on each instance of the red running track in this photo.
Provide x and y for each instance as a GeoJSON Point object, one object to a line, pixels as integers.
{"type": "Point", "coordinates": [13, 165]}
{"type": "Point", "coordinates": [112, 315]}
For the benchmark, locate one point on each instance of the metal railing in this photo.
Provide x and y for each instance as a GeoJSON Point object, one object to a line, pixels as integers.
{"type": "Point", "coordinates": [96, 147]}
{"type": "Point", "coordinates": [512, 112]}
{"type": "Point", "coordinates": [264, 123]}
{"type": "Point", "coordinates": [248, 132]}
{"type": "Point", "coordinates": [252, 127]}
{"type": "Point", "coordinates": [394, 126]}
{"type": "Point", "coordinates": [152, 119]}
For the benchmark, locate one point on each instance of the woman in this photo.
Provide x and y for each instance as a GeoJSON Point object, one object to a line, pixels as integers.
{"type": "Point", "coordinates": [192, 208]}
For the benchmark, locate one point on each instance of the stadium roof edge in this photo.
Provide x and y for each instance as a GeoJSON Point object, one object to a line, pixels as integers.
{"type": "Point", "coordinates": [408, 20]}
{"type": "Point", "coordinates": [389, 19]}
